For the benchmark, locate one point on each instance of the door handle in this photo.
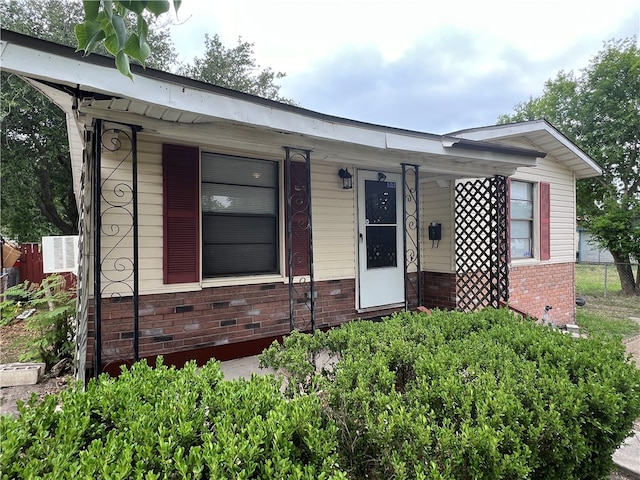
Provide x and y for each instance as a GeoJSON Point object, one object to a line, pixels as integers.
{"type": "Point", "coordinates": [361, 238]}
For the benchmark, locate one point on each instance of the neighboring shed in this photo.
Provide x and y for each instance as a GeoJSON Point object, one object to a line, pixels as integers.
{"type": "Point", "coordinates": [213, 222]}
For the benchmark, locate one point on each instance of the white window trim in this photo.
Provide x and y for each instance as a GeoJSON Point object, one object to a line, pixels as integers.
{"type": "Point", "coordinates": [535, 231]}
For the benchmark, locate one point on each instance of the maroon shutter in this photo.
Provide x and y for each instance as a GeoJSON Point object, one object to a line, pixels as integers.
{"type": "Point", "coordinates": [545, 221]}
{"type": "Point", "coordinates": [299, 219]}
{"type": "Point", "coordinates": [181, 211]}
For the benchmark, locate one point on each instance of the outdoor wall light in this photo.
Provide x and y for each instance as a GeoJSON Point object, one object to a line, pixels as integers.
{"type": "Point", "coordinates": [381, 177]}
{"type": "Point", "coordinates": [347, 182]}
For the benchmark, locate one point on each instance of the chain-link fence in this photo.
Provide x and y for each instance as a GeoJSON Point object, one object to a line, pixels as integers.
{"type": "Point", "coordinates": [604, 278]}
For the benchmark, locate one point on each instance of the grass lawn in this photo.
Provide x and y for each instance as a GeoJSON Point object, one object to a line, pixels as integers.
{"type": "Point", "coordinates": [600, 279]}
{"type": "Point", "coordinates": [609, 314]}
{"type": "Point", "coordinates": [595, 323]}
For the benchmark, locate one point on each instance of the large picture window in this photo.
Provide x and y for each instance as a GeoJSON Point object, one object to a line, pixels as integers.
{"type": "Point", "coordinates": [239, 216]}
{"type": "Point", "coordinates": [522, 218]}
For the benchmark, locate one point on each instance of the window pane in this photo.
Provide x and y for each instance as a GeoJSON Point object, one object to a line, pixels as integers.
{"type": "Point", "coordinates": [238, 259]}
{"type": "Point", "coordinates": [521, 191]}
{"type": "Point", "coordinates": [521, 209]}
{"type": "Point", "coordinates": [380, 202]}
{"type": "Point", "coordinates": [224, 229]}
{"type": "Point", "coordinates": [520, 229]}
{"type": "Point", "coordinates": [235, 199]}
{"type": "Point", "coordinates": [381, 246]}
{"type": "Point", "coordinates": [239, 171]}
{"type": "Point", "coordinates": [521, 248]}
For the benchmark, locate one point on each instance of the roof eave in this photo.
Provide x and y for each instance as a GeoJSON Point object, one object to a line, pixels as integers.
{"type": "Point", "coordinates": [489, 133]}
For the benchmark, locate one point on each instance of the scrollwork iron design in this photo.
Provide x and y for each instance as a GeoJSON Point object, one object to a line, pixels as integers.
{"type": "Point", "coordinates": [411, 234]}
{"type": "Point", "coordinates": [299, 240]}
{"type": "Point", "coordinates": [116, 253]}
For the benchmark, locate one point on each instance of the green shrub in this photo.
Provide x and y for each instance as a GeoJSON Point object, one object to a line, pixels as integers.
{"type": "Point", "coordinates": [168, 423]}
{"type": "Point", "coordinates": [485, 395]}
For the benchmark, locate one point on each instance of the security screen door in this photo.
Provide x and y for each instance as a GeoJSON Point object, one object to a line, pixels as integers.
{"type": "Point", "coordinates": [380, 248]}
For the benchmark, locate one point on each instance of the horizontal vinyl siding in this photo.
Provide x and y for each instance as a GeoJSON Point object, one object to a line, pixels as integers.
{"type": "Point", "coordinates": [149, 217]}
{"type": "Point", "coordinates": [563, 213]}
{"type": "Point", "coordinates": [437, 206]}
{"type": "Point", "coordinates": [333, 215]}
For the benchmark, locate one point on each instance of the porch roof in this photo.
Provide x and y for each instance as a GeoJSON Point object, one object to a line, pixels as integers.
{"type": "Point", "coordinates": [166, 104]}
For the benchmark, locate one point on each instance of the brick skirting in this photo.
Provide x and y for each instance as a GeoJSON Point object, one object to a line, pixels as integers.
{"type": "Point", "coordinates": [235, 321]}
{"type": "Point", "coordinates": [220, 322]}
{"type": "Point", "coordinates": [533, 287]}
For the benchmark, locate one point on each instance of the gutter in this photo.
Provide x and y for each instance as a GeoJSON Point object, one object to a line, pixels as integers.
{"type": "Point", "coordinates": [465, 144]}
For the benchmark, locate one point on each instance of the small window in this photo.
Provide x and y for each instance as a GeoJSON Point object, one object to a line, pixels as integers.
{"type": "Point", "coordinates": [521, 210]}
{"type": "Point", "coordinates": [239, 216]}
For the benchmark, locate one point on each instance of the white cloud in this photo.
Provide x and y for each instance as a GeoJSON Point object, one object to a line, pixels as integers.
{"type": "Point", "coordinates": [424, 65]}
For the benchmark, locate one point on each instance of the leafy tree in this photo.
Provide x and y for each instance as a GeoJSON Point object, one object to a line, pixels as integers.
{"type": "Point", "coordinates": [234, 68]}
{"type": "Point", "coordinates": [37, 189]}
{"type": "Point", "coordinates": [37, 197]}
{"type": "Point", "coordinates": [37, 194]}
{"type": "Point", "coordinates": [105, 24]}
{"type": "Point", "coordinates": [600, 110]}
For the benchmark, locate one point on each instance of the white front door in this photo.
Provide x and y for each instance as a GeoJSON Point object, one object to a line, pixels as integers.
{"type": "Point", "coordinates": [380, 251]}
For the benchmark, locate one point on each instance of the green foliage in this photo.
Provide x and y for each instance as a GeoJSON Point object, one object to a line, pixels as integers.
{"type": "Point", "coordinates": [599, 110]}
{"type": "Point", "coordinates": [481, 395]}
{"type": "Point", "coordinates": [105, 24]}
{"type": "Point", "coordinates": [52, 321]}
{"type": "Point", "coordinates": [37, 192]}
{"type": "Point", "coordinates": [234, 68]}
{"type": "Point", "coordinates": [169, 423]}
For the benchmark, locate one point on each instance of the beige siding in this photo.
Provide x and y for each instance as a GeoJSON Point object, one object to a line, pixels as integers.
{"type": "Point", "coordinates": [117, 246]}
{"type": "Point", "coordinates": [437, 206]}
{"type": "Point", "coordinates": [334, 216]}
{"type": "Point", "coordinates": [563, 213]}
{"type": "Point", "coordinates": [333, 221]}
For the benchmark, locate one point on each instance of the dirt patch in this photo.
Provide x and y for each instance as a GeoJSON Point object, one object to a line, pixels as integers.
{"type": "Point", "coordinates": [9, 396]}
{"type": "Point", "coordinates": [633, 348]}
{"type": "Point", "coordinates": [13, 341]}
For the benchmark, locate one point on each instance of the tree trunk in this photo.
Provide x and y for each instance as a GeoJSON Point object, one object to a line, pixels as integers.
{"type": "Point", "coordinates": [625, 272]}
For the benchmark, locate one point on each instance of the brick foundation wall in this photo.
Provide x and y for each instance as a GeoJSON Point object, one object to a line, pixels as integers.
{"type": "Point", "coordinates": [533, 287]}
{"type": "Point", "coordinates": [439, 290]}
{"type": "Point", "coordinates": [230, 322]}
{"type": "Point", "coordinates": [211, 318]}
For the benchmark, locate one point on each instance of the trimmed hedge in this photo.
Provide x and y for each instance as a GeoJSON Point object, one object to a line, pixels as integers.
{"type": "Point", "coordinates": [483, 395]}
{"type": "Point", "coordinates": [167, 423]}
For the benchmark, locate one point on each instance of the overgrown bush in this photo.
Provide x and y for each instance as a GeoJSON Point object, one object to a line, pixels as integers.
{"type": "Point", "coordinates": [169, 423]}
{"type": "Point", "coordinates": [485, 395]}
{"type": "Point", "coordinates": [52, 321]}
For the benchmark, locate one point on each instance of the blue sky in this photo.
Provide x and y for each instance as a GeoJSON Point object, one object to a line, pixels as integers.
{"type": "Point", "coordinates": [422, 65]}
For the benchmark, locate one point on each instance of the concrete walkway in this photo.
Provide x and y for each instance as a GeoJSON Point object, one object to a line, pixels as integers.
{"type": "Point", "coordinates": [626, 458]}
{"type": "Point", "coordinates": [242, 368]}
